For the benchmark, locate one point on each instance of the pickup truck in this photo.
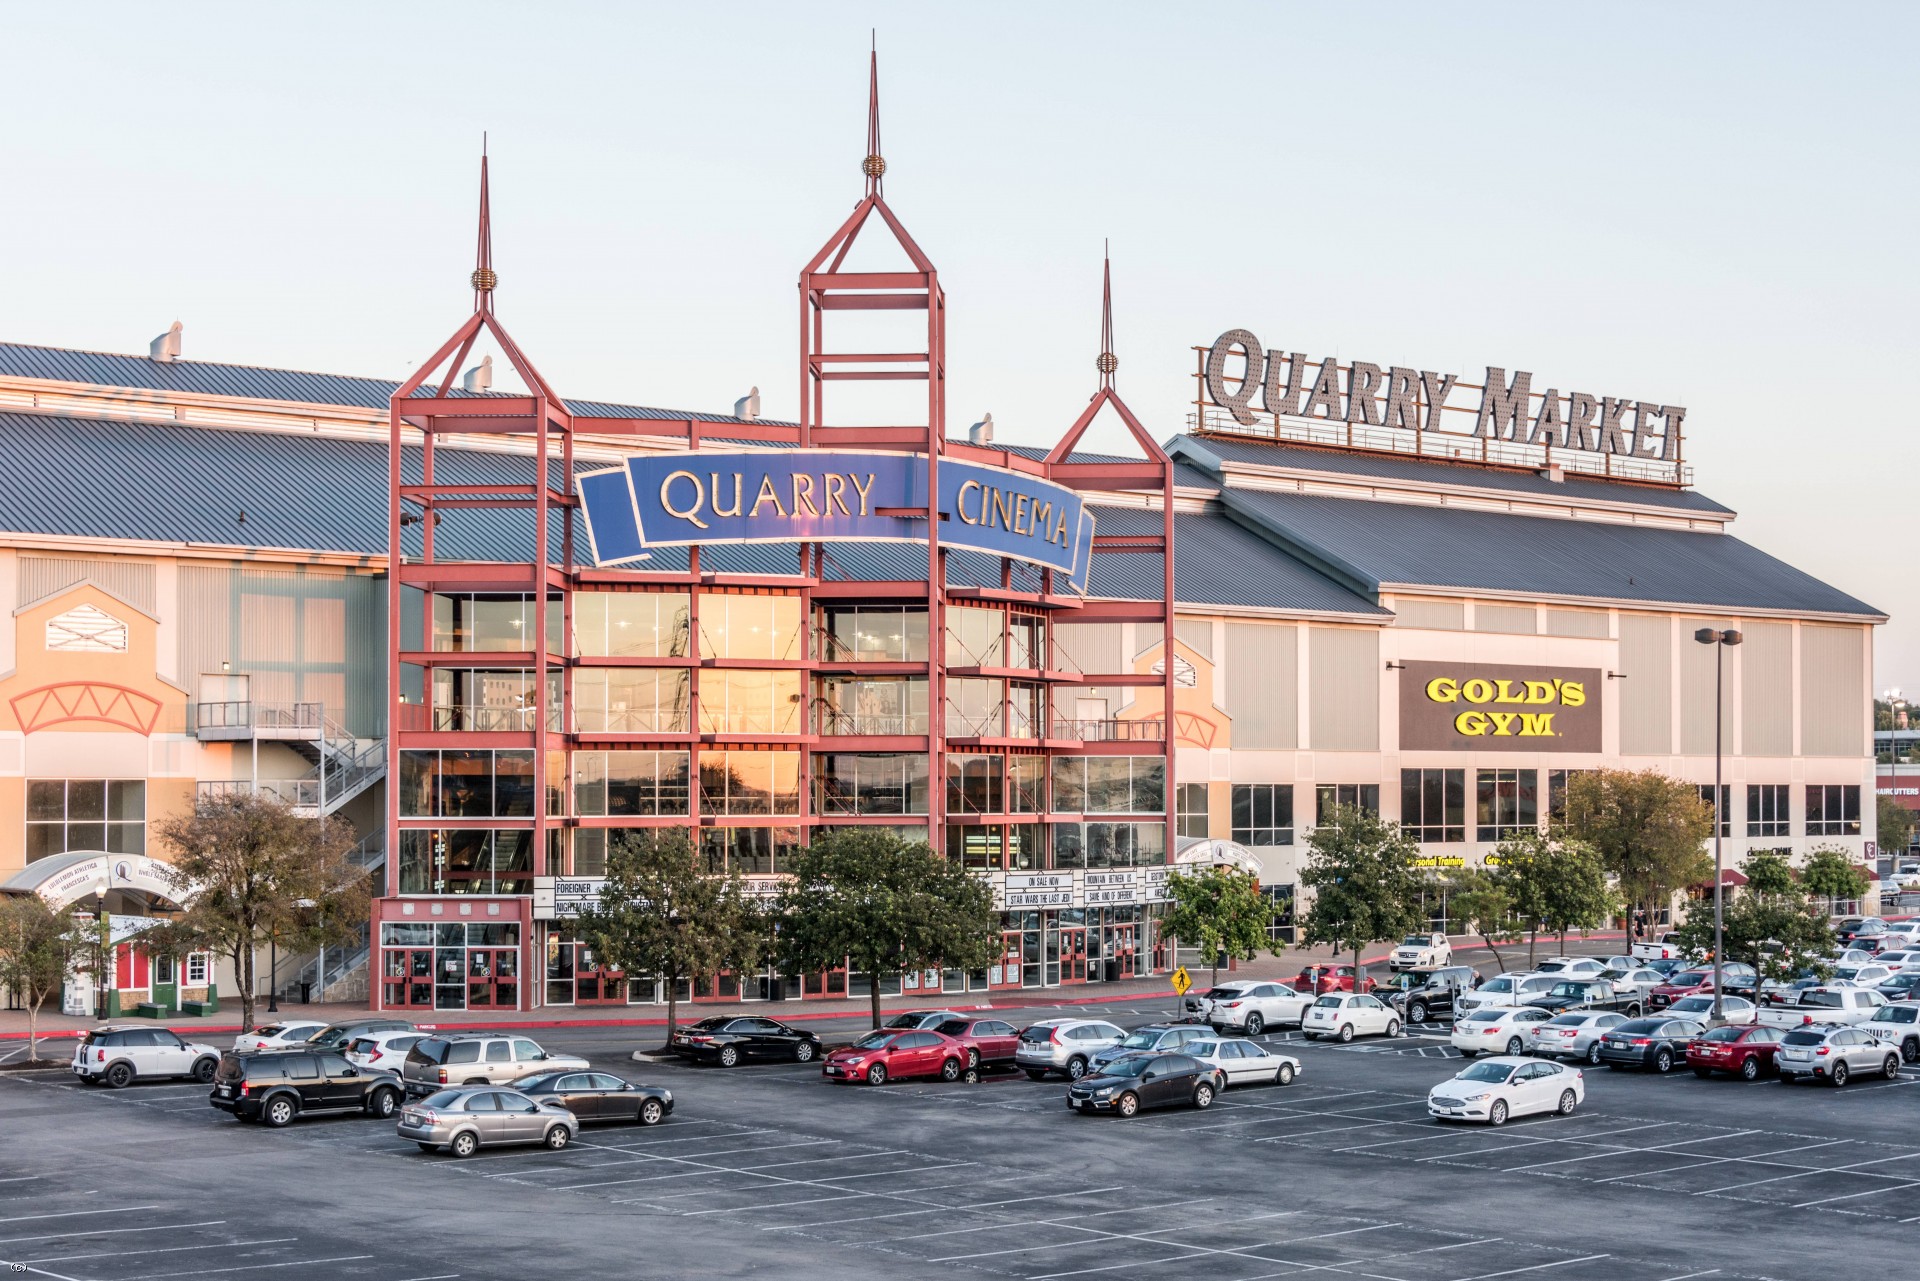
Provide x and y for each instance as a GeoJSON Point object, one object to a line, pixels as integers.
{"type": "Point", "coordinates": [1665, 948]}
{"type": "Point", "coordinates": [1421, 952]}
{"type": "Point", "coordinates": [1851, 1005]}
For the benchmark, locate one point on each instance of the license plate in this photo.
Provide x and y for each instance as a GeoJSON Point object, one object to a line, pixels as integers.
{"type": "Point", "coordinates": [833, 1071]}
{"type": "Point", "coordinates": [226, 1089]}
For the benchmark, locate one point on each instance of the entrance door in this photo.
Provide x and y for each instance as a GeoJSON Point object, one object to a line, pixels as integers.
{"type": "Point", "coordinates": [450, 978]}
{"type": "Point", "coordinates": [166, 982]}
{"type": "Point", "coordinates": [406, 978]}
{"type": "Point", "coordinates": [1120, 945]}
{"type": "Point", "coordinates": [1005, 972]}
{"type": "Point", "coordinates": [1073, 954]}
{"type": "Point", "coordinates": [493, 978]}
{"type": "Point", "coordinates": [594, 983]}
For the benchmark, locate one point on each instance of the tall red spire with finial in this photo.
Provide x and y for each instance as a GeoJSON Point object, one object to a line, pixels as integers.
{"type": "Point", "coordinates": [874, 166]}
{"type": "Point", "coordinates": [483, 278]}
{"type": "Point", "coordinates": [1108, 362]}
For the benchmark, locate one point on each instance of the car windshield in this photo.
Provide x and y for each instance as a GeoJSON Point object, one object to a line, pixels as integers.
{"type": "Point", "coordinates": [713, 1024]}
{"type": "Point", "coordinates": [1486, 1072]}
{"type": "Point", "coordinates": [1140, 1041]}
{"type": "Point", "coordinates": [875, 1040]}
{"type": "Point", "coordinates": [1127, 1067]}
{"type": "Point", "coordinates": [1896, 1014]}
{"type": "Point", "coordinates": [1640, 1027]}
{"type": "Point", "coordinates": [1329, 1002]}
{"type": "Point", "coordinates": [1497, 985]}
{"type": "Point", "coordinates": [444, 1099]}
{"type": "Point", "coordinates": [1413, 940]}
{"type": "Point", "coordinates": [1568, 989]}
{"type": "Point", "coordinates": [1486, 1016]}
{"type": "Point", "coordinates": [1568, 1020]}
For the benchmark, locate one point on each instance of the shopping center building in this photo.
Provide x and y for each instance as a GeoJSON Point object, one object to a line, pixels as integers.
{"type": "Point", "coordinates": [1388, 587]}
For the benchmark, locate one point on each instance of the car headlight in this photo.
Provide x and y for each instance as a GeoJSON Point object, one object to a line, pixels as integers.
{"type": "Point", "coordinates": [666, 1096]}
{"type": "Point", "coordinates": [1106, 1092]}
{"type": "Point", "coordinates": [1475, 1098]}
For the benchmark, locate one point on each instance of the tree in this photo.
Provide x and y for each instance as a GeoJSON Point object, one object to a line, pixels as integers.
{"type": "Point", "coordinates": [1650, 830]}
{"type": "Point", "coordinates": [1769, 872]}
{"type": "Point", "coordinates": [660, 915]}
{"type": "Point", "coordinates": [251, 871]}
{"type": "Point", "coordinates": [1365, 882]}
{"type": "Point", "coordinates": [1479, 903]}
{"type": "Point", "coordinates": [1774, 926]}
{"type": "Point", "coordinates": [1832, 874]}
{"type": "Point", "coordinates": [865, 898]}
{"type": "Point", "coordinates": [39, 949]}
{"type": "Point", "coordinates": [1219, 909]}
{"type": "Point", "coordinates": [1894, 823]}
{"type": "Point", "coordinates": [1557, 883]}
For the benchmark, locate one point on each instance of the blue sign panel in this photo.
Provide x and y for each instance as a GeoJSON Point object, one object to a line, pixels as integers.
{"type": "Point", "coordinates": [833, 496]}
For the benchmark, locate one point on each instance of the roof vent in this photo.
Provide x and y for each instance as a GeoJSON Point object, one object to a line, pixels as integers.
{"type": "Point", "coordinates": [981, 433]}
{"type": "Point", "coordinates": [747, 408]}
{"type": "Point", "coordinates": [480, 377]}
{"type": "Point", "coordinates": [166, 346]}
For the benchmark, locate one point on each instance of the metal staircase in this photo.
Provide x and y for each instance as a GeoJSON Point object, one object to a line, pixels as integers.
{"type": "Point", "coordinates": [343, 765]}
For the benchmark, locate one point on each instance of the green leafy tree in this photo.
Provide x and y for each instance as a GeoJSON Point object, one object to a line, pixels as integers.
{"type": "Point", "coordinates": [40, 948]}
{"type": "Point", "coordinates": [1773, 925]}
{"type": "Point", "coordinates": [1557, 883]}
{"type": "Point", "coordinates": [1832, 874]}
{"type": "Point", "coordinates": [660, 915]}
{"type": "Point", "coordinates": [1894, 824]}
{"type": "Point", "coordinates": [252, 871]}
{"type": "Point", "coordinates": [1480, 903]}
{"type": "Point", "coordinates": [1365, 881]}
{"type": "Point", "coordinates": [865, 898]}
{"type": "Point", "coordinates": [1650, 830]}
{"type": "Point", "coordinates": [1219, 909]}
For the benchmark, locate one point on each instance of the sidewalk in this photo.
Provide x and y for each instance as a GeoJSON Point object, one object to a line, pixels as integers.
{"type": "Point", "coordinates": [13, 1023]}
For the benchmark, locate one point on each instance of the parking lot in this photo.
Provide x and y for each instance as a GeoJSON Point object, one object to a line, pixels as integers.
{"type": "Point", "coordinates": [768, 1167]}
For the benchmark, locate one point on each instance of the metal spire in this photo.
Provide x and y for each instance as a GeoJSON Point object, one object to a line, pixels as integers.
{"type": "Point", "coordinates": [874, 166]}
{"type": "Point", "coordinates": [1108, 362]}
{"type": "Point", "coordinates": [484, 278]}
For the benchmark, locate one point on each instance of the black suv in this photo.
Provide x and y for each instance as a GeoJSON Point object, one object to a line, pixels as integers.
{"type": "Point", "coordinates": [1434, 994]}
{"type": "Point", "coordinates": [276, 1087]}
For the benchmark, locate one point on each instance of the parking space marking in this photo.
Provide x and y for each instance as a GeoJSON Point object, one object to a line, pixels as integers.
{"type": "Point", "coordinates": [74, 1214]}
{"type": "Point", "coordinates": [102, 1232]}
{"type": "Point", "coordinates": [935, 1209]}
{"type": "Point", "coordinates": [249, 1267]}
{"type": "Point", "coordinates": [1514, 1272]}
{"type": "Point", "coordinates": [1201, 1252]}
{"type": "Point", "coordinates": [1140, 1236]}
{"type": "Point", "coordinates": [1614, 1151]}
{"type": "Point", "coordinates": [163, 1249]}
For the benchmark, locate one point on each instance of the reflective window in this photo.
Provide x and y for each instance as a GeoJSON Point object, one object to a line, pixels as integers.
{"type": "Point", "coordinates": [734, 701]}
{"type": "Point", "coordinates": [975, 637]}
{"type": "Point", "coordinates": [465, 861]}
{"type": "Point", "coordinates": [1191, 810]}
{"type": "Point", "coordinates": [1767, 809]}
{"type": "Point", "coordinates": [491, 623]}
{"type": "Point", "coordinates": [851, 783]}
{"type": "Point", "coordinates": [974, 784]}
{"type": "Point", "coordinates": [470, 783]}
{"type": "Point", "coordinates": [1100, 845]}
{"type": "Point", "coordinates": [630, 624]}
{"type": "Point", "coordinates": [882, 705]}
{"type": "Point", "coordinates": [750, 782]}
{"type": "Point", "coordinates": [752, 851]}
{"type": "Point", "coordinates": [1263, 813]}
{"type": "Point", "coordinates": [876, 635]}
{"type": "Point", "coordinates": [618, 783]}
{"type": "Point", "coordinates": [107, 815]}
{"type": "Point", "coordinates": [1505, 803]}
{"type": "Point", "coordinates": [1109, 785]}
{"type": "Point", "coordinates": [1326, 796]}
{"type": "Point", "coordinates": [631, 700]}
{"type": "Point", "coordinates": [1833, 809]}
{"type": "Point", "coordinates": [469, 700]}
{"type": "Point", "coordinates": [1433, 804]}
{"type": "Point", "coordinates": [750, 627]}
{"type": "Point", "coordinates": [975, 708]}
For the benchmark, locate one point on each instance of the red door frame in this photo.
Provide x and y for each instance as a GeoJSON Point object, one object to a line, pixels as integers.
{"type": "Point", "coordinates": [415, 977]}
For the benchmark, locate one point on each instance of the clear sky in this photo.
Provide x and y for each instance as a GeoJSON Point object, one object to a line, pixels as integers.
{"type": "Point", "coordinates": [1704, 204]}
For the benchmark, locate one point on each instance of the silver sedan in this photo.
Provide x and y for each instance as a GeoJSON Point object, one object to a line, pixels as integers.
{"type": "Point", "coordinates": [464, 1121]}
{"type": "Point", "coordinates": [1575, 1035]}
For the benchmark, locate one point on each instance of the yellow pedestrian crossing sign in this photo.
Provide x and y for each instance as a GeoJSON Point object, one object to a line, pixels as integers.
{"type": "Point", "coordinates": [1182, 981]}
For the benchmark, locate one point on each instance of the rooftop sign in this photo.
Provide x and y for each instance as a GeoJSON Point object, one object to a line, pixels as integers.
{"type": "Point", "coordinates": [660, 500]}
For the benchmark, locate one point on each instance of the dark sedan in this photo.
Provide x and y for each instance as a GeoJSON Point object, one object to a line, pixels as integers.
{"type": "Point", "coordinates": [599, 1097]}
{"type": "Point", "coordinates": [1904, 986]}
{"type": "Point", "coordinates": [1144, 1081]}
{"type": "Point", "coordinates": [1746, 1050]}
{"type": "Point", "coordinates": [730, 1040]}
{"type": "Point", "coordinates": [1655, 1043]}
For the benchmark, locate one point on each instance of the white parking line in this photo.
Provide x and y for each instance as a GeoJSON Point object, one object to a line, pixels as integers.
{"type": "Point", "coordinates": [249, 1267]}
{"type": "Point", "coordinates": [1514, 1272]}
{"type": "Point", "coordinates": [1745, 1160]}
{"type": "Point", "coordinates": [1617, 1151]}
{"type": "Point", "coordinates": [103, 1232]}
{"type": "Point", "coordinates": [165, 1249]}
{"type": "Point", "coordinates": [1192, 1252]}
{"type": "Point", "coordinates": [938, 1209]}
{"type": "Point", "coordinates": [1002, 1224]}
{"type": "Point", "coordinates": [74, 1214]}
{"type": "Point", "coordinates": [1904, 1184]}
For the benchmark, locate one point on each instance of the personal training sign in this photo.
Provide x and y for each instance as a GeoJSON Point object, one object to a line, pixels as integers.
{"type": "Point", "coordinates": [830, 496]}
{"type": "Point", "coordinates": [1496, 707]}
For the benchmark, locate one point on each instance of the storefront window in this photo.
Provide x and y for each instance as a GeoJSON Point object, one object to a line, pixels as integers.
{"type": "Point", "coordinates": [1433, 804]}
{"type": "Point", "coordinates": [1110, 784]}
{"type": "Point", "coordinates": [472, 700]}
{"type": "Point", "coordinates": [1191, 810]}
{"type": "Point", "coordinates": [630, 700]}
{"type": "Point", "coordinates": [1725, 810]}
{"type": "Point", "coordinates": [851, 783]}
{"type": "Point", "coordinates": [621, 783]}
{"type": "Point", "coordinates": [750, 782]}
{"type": "Point", "coordinates": [1100, 845]}
{"type": "Point", "coordinates": [466, 784]}
{"type": "Point", "coordinates": [749, 702]}
{"type": "Point", "coordinates": [1767, 810]}
{"type": "Point", "coordinates": [109, 815]}
{"type": "Point", "coordinates": [466, 861]}
{"type": "Point", "coordinates": [975, 637]}
{"type": "Point", "coordinates": [1506, 803]}
{"type": "Point", "coordinates": [1026, 784]}
{"type": "Point", "coordinates": [492, 623]}
{"type": "Point", "coordinates": [1833, 809]}
{"type": "Point", "coordinates": [1364, 796]}
{"type": "Point", "coordinates": [1263, 813]}
{"type": "Point", "coordinates": [630, 624]}
{"type": "Point", "coordinates": [896, 705]}
{"type": "Point", "coordinates": [973, 784]}
{"type": "Point", "coordinates": [766, 627]}
{"type": "Point", "coordinates": [751, 851]}
{"type": "Point", "coordinates": [877, 635]}
{"type": "Point", "coordinates": [1279, 902]}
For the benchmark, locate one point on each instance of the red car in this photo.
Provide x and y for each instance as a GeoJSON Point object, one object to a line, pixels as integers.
{"type": "Point", "coordinates": [1745, 1050]}
{"type": "Point", "coordinates": [1328, 978]}
{"type": "Point", "coordinates": [1698, 979]}
{"type": "Point", "coordinates": [888, 1053]}
{"type": "Point", "coordinates": [989, 1042]}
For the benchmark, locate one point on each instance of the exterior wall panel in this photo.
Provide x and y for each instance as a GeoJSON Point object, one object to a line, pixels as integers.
{"type": "Point", "coordinates": [1436, 615]}
{"type": "Point", "coordinates": [1696, 688]}
{"type": "Point", "coordinates": [1514, 620]}
{"type": "Point", "coordinates": [1583, 623]}
{"type": "Point", "coordinates": [1832, 691]}
{"type": "Point", "coordinates": [1343, 670]}
{"type": "Point", "coordinates": [1646, 695]}
{"type": "Point", "coordinates": [1262, 690]}
{"type": "Point", "coordinates": [131, 580]}
{"type": "Point", "coordinates": [1766, 689]}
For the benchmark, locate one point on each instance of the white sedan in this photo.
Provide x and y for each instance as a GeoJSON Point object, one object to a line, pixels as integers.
{"type": "Point", "coordinates": [1345, 1015]}
{"type": "Point", "coordinates": [276, 1036]}
{"type": "Point", "coordinates": [1494, 1089]}
{"type": "Point", "coordinates": [1870, 975]}
{"type": "Point", "coordinates": [1503, 1029]}
{"type": "Point", "coordinates": [1733, 1009]}
{"type": "Point", "coordinates": [1899, 960]}
{"type": "Point", "coordinates": [1573, 967]}
{"type": "Point", "coordinates": [1243, 1062]}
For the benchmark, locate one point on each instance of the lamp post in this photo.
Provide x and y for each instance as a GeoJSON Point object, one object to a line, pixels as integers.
{"type": "Point", "coordinates": [1719, 640]}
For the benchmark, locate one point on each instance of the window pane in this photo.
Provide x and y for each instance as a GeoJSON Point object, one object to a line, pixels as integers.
{"type": "Point", "coordinates": [86, 798]}
{"type": "Point", "coordinates": [127, 799]}
{"type": "Point", "coordinates": [47, 799]}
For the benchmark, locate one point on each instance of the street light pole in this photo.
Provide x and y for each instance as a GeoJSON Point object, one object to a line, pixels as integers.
{"type": "Point", "coordinates": [1719, 640]}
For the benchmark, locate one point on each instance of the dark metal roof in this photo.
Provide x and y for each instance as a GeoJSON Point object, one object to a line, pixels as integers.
{"type": "Point", "coordinates": [155, 482]}
{"type": "Point", "coordinates": [1370, 545]}
{"type": "Point", "coordinates": [206, 378]}
{"type": "Point", "coordinates": [1210, 451]}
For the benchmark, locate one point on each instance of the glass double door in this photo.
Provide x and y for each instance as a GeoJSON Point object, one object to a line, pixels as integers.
{"type": "Point", "coordinates": [493, 978]}
{"type": "Point", "coordinates": [406, 978]}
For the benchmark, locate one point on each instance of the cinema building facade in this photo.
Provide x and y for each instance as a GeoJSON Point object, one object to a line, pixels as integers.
{"type": "Point", "coordinates": [755, 631]}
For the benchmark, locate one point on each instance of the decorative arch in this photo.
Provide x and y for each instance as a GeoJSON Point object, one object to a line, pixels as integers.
{"type": "Point", "coordinates": [95, 701]}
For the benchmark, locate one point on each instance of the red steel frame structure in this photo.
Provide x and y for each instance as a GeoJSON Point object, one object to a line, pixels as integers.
{"type": "Point", "coordinates": [424, 409]}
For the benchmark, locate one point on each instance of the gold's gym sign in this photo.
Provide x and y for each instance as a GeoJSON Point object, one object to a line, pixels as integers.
{"type": "Point", "coordinates": [1498, 707]}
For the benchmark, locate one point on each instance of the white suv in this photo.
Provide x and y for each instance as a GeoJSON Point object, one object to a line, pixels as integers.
{"type": "Point", "coordinates": [1833, 1053]}
{"type": "Point", "coordinates": [1251, 1006]}
{"type": "Point", "coordinates": [117, 1054]}
{"type": "Point", "coordinates": [1063, 1045]}
{"type": "Point", "coordinates": [1507, 989]}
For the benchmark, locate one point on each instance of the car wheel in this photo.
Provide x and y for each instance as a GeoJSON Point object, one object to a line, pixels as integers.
{"type": "Point", "coordinates": [1839, 1075]}
{"type": "Point", "coordinates": [1567, 1102]}
{"type": "Point", "coordinates": [558, 1137]}
{"type": "Point", "coordinates": [1036, 1074]}
{"type": "Point", "coordinates": [1127, 1104]}
{"type": "Point", "coordinates": [1497, 1114]}
{"type": "Point", "coordinates": [803, 1052]}
{"type": "Point", "coordinates": [1285, 1075]}
{"type": "Point", "coordinates": [950, 1070]}
{"type": "Point", "coordinates": [1663, 1060]}
{"type": "Point", "coordinates": [1393, 1027]}
{"type": "Point", "coordinates": [1750, 1068]}
{"type": "Point", "coordinates": [1417, 1013]}
{"type": "Point", "coordinates": [729, 1056]}
{"type": "Point", "coordinates": [877, 1074]}
{"type": "Point", "coordinates": [203, 1069]}
{"type": "Point", "coordinates": [1076, 1068]}
{"type": "Point", "coordinates": [1346, 1032]}
{"type": "Point", "coordinates": [1703, 1072]}
{"type": "Point", "coordinates": [1593, 1054]}
{"type": "Point", "coordinates": [973, 1059]}
{"type": "Point", "coordinates": [1633, 1011]}
{"type": "Point", "coordinates": [1203, 1096]}
{"type": "Point", "coordinates": [1910, 1050]}
{"type": "Point", "coordinates": [465, 1143]}
{"type": "Point", "coordinates": [1514, 1045]}
{"type": "Point", "coordinates": [119, 1076]}
{"type": "Point", "coordinates": [971, 1076]}
{"type": "Point", "coordinates": [652, 1112]}
{"type": "Point", "coordinates": [382, 1103]}
{"type": "Point", "coordinates": [279, 1111]}
{"type": "Point", "coordinates": [1891, 1068]}
{"type": "Point", "coordinates": [1256, 1024]}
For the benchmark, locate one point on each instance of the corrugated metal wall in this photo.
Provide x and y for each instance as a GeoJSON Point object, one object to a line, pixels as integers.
{"type": "Point", "coordinates": [1089, 647]}
{"type": "Point", "coordinates": [1263, 685]}
{"type": "Point", "coordinates": [1766, 690]}
{"type": "Point", "coordinates": [1195, 633]}
{"type": "Point", "coordinates": [1696, 688]}
{"type": "Point", "coordinates": [130, 580]}
{"type": "Point", "coordinates": [1439, 615]}
{"type": "Point", "coordinates": [300, 634]}
{"type": "Point", "coordinates": [1513, 620]}
{"type": "Point", "coordinates": [1646, 695]}
{"type": "Point", "coordinates": [1343, 689]}
{"type": "Point", "coordinates": [1585, 623]}
{"type": "Point", "coordinates": [1832, 691]}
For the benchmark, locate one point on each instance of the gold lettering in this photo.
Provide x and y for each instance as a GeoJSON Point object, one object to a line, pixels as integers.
{"type": "Point", "coordinates": [861, 489]}
{"type": "Point", "coordinates": [1042, 517]}
{"type": "Point", "coordinates": [1471, 723]}
{"type": "Point", "coordinates": [1503, 723]}
{"type": "Point", "coordinates": [1573, 693]}
{"type": "Point", "coordinates": [803, 494]}
{"type": "Point", "coordinates": [960, 502]}
{"type": "Point", "coordinates": [1060, 533]}
{"type": "Point", "coordinates": [691, 514]}
{"type": "Point", "coordinates": [1020, 514]}
{"type": "Point", "coordinates": [718, 510]}
{"type": "Point", "coordinates": [766, 495]}
{"type": "Point", "coordinates": [1539, 692]}
{"type": "Point", "coordinates": [1003, 512]}
{"type": "Point", "coordinates": [837, 493]}
{"type": "Point", "coordinates": [1536, 725]}
{"type": "Point", "coordinates": [1506, 692]}
{"type": "Point", "coordinates": [1477, 691]}
{"type": "Point", "coordinates": [1443, 689]}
